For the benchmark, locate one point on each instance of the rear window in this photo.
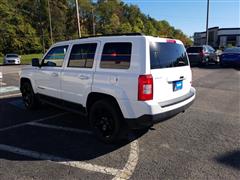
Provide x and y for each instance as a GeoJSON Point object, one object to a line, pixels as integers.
{"type": "Point", "coordinates": [194, 49]}
{"type": "Point", "coordinates": [166, 55]}
{"type": "Point", "coordinates": [116, 55]}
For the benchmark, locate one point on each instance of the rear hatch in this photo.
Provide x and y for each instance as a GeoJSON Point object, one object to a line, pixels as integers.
{"type": "Point", "coordinates": [170, 70]}
{"type": "Point", "coordinates": [195, 54]}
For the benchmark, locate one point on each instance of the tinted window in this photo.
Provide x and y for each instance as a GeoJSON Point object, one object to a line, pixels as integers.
{"type": "Point", "coordinates": [12, 56]}
{"type": "Point", "coordinates": [211, 48]}
{"type": "Point", "coordinates": [165, 55]}
{"type": "Point", "coordinates": [116, 55]}
{"type": "Point", "coordinates": [82, 55]}
{"type": "Point", "coordinates": [232, 50]}
{"type": "Point", "coordinates": [55, 57]}
{"type": "Point", "coordinates": [208, 49]}
{"type": "Point", "coordinates": [194, 49]}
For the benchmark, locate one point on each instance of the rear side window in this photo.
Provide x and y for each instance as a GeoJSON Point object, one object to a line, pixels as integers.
{"type": "Point", "coordinates": [82, 55]}
{"type": "Point", "coordinates": [116, 55]}
{"type": "Point", "coordinates": [194, 49]}
{"type": "Point", "coordinates": [166, 55]}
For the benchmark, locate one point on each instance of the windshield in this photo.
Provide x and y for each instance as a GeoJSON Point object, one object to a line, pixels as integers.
{"type": "Point", "coordinates": [232, 50]}
{"type": "Point", "coordinates": [166, 55]}
{"type": "Point", "coordinates": [12, 56]}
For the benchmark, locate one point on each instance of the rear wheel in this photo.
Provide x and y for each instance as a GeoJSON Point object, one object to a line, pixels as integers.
{"type": "Point", "coordinates": [106, 121]}
{"type": "Point", "coordinates": [222, 65]}
{"type": "Point", "coordinates": [29, 98]}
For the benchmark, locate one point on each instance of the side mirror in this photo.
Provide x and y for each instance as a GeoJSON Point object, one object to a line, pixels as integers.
{"type": "Point", "coordinates": [35, 62]}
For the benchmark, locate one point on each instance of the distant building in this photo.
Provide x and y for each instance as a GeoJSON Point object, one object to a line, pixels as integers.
{"type": "Point", "coordinates": [219, 37]}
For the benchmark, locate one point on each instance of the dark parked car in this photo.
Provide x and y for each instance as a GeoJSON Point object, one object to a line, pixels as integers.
{"type": "Point", "coordinates": [200, 55]}
{"type": "Point", "coordinates": [230, 56]}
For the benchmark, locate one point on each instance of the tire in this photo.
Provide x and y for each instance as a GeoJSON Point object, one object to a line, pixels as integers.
{"type": "Point", "coordinates": [106, 121]}
{"type": "Point", "coordinates": [29, 98]}
{"type": "Point", "coordinates": [222, 65]}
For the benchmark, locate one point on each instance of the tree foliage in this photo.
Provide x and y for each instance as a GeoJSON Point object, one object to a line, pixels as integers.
{"type": "Point", "coordinates": [24, 24]}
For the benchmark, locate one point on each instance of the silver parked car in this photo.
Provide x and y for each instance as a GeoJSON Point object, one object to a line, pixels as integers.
{"type": "Point", "coordinates": [199, 55]}
{"type": "Point", "coordinates": [12, 59]}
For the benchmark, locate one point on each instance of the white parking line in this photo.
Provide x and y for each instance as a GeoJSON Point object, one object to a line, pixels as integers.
{"type": "Point", "coordinates": [10, 95]}
{"type": "Point", "coordinates": [119, 174]}
{"type": "Point", "coordinates": [59, 160]}
{"type": "Point", "coordinates": [60, 128]}
{"type": "Point", "coordinates": [7, 89]}
{"type": "Point", "coordinates": [131, 164]}
{"type": "Point", "coordinates": [125, 173]}
{"type": "Point", "coordinates": [3, 84]}
{"type": "Point", "coordinates": [26, 123]}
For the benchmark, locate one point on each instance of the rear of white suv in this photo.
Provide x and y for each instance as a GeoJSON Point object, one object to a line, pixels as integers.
{"type": "Point", "coordinates": [164, 90]}
{"type": "Point", "coordinates": [115, 80]}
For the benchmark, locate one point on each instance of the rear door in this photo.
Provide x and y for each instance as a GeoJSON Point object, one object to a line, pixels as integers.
{"type": "Point", "coordinates": [77, 77]}
{"type": "Point", "coordinates": [170, 70]}
{"type": "Point", "coordinates": [194, 54]}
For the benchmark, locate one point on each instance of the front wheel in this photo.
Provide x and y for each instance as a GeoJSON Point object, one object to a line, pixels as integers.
{"type": "Point", "coordinates": [106, 121]}
{"type": "Point", "coordinates": [29, 98]}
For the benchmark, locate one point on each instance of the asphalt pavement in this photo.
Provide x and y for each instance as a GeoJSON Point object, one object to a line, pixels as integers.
{"type": "Point", "coordinates": [50, 143]}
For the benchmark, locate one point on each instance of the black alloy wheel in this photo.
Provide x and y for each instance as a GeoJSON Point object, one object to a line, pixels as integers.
{"type": "Point", "coordinates": [29, 98]}
{"type": "Point", "coordinates": [106, 121]}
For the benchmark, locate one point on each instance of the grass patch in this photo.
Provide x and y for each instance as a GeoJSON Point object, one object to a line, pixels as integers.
{"type": "Point", "coordinates": [25, 59]}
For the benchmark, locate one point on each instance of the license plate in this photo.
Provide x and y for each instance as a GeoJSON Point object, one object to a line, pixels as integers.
{"type": "Point", "coordinates": [177, 85]}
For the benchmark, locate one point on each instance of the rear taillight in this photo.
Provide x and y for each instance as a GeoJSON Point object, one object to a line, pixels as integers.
{"type": "Point", "coordinates": [202, 53]}
{"type": "Point", "coordinates": [145, 87]}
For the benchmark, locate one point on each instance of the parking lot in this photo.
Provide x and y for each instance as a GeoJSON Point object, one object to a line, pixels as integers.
{"type": "Point", "coordinates": [49, 143]}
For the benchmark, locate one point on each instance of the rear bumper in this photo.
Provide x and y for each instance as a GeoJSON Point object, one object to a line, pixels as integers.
{"type": "Point", "coordinates": [148, 120]}
{"type": "Point", "coordinates": [195, 60]}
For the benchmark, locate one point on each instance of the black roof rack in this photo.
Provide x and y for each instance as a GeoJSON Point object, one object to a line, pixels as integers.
{"type": "Point", "coordinates": [121, 34]}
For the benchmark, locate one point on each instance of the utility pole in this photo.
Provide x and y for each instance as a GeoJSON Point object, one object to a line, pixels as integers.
{"type": "Point", "coordinates": [78, 20]}
{"type": "Point", "coordinates": [207, 37]}
{"type": "Point", "coordinates": [93, 23]}
{"type": "Point", "coordinates": [41, 24]}
{"type": "Point", "coordinates": [50, 21]}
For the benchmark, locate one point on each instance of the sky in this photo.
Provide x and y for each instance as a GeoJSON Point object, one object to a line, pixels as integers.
{"type": "Point", "coordinates": [190, 15]}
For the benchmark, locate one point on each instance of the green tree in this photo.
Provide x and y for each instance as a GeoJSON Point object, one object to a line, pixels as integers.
{"type": "Point", "coordinates": [24, 25]}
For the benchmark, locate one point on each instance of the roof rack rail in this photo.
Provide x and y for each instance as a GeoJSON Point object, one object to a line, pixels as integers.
{"type": "Point", "coordinates": [120, 34]}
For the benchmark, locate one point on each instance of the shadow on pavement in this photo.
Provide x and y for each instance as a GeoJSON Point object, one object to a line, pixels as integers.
{"type": "Point", "coordinates": [230, 159]}
{"type": "Point", "coordinates": [56, 142]}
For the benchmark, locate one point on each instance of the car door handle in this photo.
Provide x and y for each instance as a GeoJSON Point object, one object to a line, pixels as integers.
{"type": "Point", "coordinates": [54, 74]}
{"type": "Point", "coordinates": [83, 77]}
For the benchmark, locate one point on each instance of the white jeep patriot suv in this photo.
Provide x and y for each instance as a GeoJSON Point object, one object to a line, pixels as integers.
{"type": "Point", "coordinates": [119, 82]}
